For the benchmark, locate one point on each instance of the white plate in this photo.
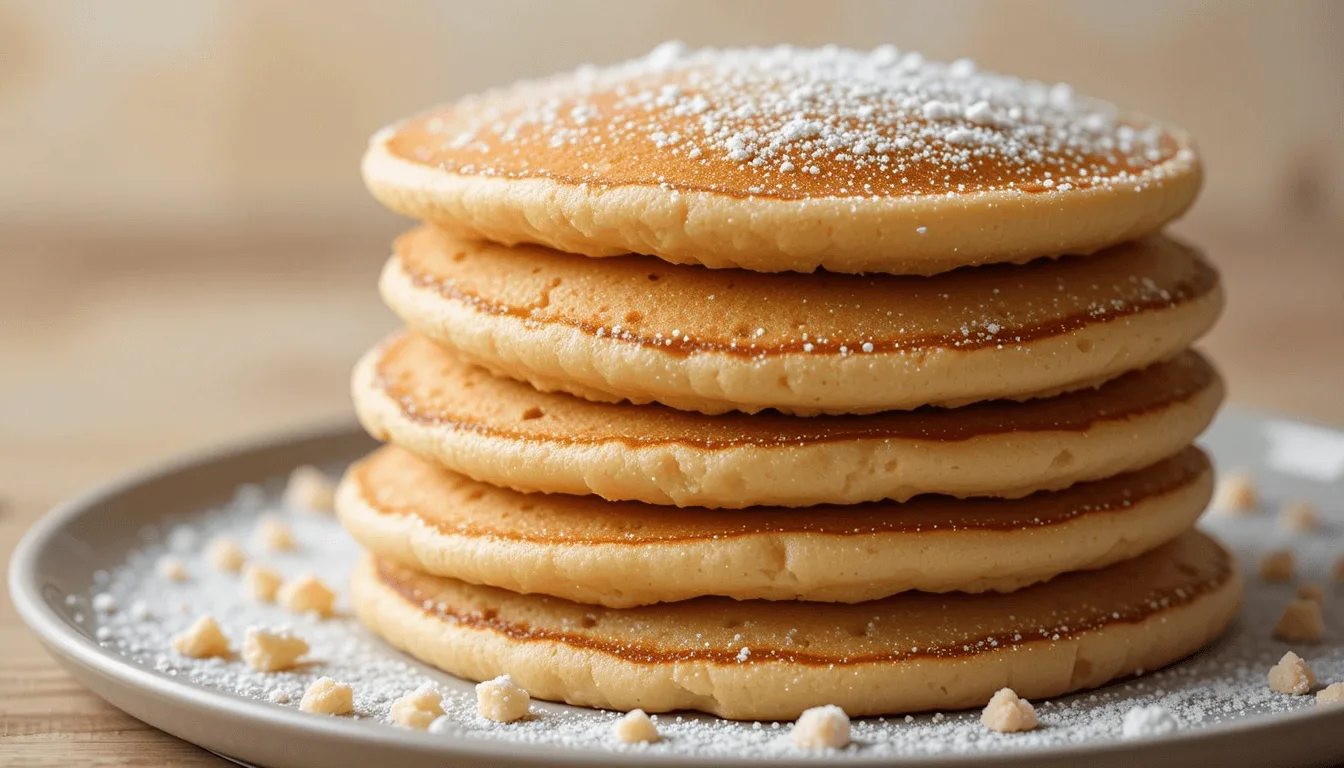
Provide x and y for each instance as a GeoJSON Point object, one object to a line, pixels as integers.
{"type": "Point", "coordinates": [56, 570]}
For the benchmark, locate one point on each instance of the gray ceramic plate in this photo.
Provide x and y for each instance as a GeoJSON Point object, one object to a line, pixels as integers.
{"type": "Point", "coordinates": [61, 555]}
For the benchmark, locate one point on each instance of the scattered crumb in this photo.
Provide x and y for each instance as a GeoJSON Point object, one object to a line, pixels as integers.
{"type": "Point", "coordinates": [1330, 694]}
{"type": "Point", "coordinates": [310, 489]}
{"type": "Point", "coordinates": [1278, 565]}
{"type": "Point", "coordinates": [273, 534]}
{"type": "Point", "coordinates": [1300, 516]}
{"type": "Point", "coordinates": [635, 727]}
{"type": "Point", "coordinates": [225, 554]}
{"type": "Point", "coordinates": [272, 650]}
{"type": "Point", "coordinates": [1291, 675]}
{"type": "Point", "coordinates": [1236, 494]}
{"type": "Point", "coordinates": [1152, 720]}
{"type": "Point", "coordinates": [171, 568]}
{"type": "Point", "coordinates": [328, 697]}
{"type": "Point", "coordinates": [202, 640]}
{"type": "Point", "coordinates": [1008, 713]}
{"type": "Point", "coordinates": [278, 696]}
{"type": "Point", "coordinates": [418, 708]}
{"type": "Point", "coordinates": [501, 700]}
{"type": "Point", "coordinates": [306, 594]}
{"type": "Point", "coordinates": [104, 603]}
{"type": "Point", "coordinates": [821, 728]}
{"type": "Point", "coordinates": [1310, 590]}
{"type": "Point", "coordinates": [261, 583]}
{"type": "Point", "coordinates": [1301, 622]}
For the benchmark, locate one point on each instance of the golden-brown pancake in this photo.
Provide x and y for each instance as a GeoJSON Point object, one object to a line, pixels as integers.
{"type": "Point", "coordinates": [426, 399]}
{"type": "Point", "coordinates": [789, 159]}
{"type": "Point", "coordinates": [638, 329]}
{"type": "Point", "coordinates": [412, 512]}
{"type": "Point", "coordinates": [768, 660]}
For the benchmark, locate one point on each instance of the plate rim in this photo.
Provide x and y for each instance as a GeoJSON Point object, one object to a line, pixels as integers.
{"type": "Point", "coordinates": [80, 654]}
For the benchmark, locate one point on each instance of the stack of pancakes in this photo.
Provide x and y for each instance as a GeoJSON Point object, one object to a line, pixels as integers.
{"type": "Point", "coordinates": [894, 409]}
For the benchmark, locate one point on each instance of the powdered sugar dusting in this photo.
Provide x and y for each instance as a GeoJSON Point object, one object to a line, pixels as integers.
{"type": "Point", "coordinates": [1223, 684]}
{"type": "Point", "coordinates": [795, 123]}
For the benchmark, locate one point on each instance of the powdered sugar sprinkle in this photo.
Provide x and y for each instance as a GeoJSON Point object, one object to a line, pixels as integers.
{"type": "Point", "coordinates": [1223, 684]}
{"type": "Point", "coordinates": [861, 123]}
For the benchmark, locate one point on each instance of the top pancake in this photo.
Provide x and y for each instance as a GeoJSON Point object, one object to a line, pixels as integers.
{"type": "Point", "coordinates": [789, 159]}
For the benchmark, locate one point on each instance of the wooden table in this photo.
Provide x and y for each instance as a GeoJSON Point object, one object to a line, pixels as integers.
{"type": "Point", "coordinates": [118, 351]}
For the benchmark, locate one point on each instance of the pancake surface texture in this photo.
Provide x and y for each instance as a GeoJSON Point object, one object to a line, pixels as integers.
{"type": "Point", "coordinates": [759, 660]}
{"type": "Point", "coordinates": [619, 554]}
{"type": "Point", "coordinates": [426, 399]}
{"type": "Point", "coordinates": [637, 329]}
{"type": "Point", "coordinates": [789, 159]}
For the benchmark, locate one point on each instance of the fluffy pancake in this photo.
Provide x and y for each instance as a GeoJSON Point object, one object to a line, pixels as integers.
{"type": "Point", "coordinates": [789, 159]}
{"type": "Point", "coordinates": [421, 516]}
{"type": "Point", "coordinates": [634, 328]}
{"type": "Point", "coordinates": [424, 398]}
{"type": "Point", "coordinates": [759, 660]}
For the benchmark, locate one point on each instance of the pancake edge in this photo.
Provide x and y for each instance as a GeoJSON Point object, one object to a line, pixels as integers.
{"type": "Point", "coordinates": [786, 565]}
{"type": "Point", "coordinates": [1006, 464]}
{"type": "Point", "coordinates": [896, 235]}
{"type": "Point", "coordinates": [776, 690]}
{"type": "Point", "coordinates": [556, 357]}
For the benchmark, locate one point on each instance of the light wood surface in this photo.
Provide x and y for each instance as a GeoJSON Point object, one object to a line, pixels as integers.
{"type": "Point", "coordinates": [116, 352]}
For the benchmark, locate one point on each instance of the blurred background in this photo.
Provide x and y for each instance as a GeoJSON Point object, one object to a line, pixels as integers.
{"type": "Point", "coordinates": [187, 254]}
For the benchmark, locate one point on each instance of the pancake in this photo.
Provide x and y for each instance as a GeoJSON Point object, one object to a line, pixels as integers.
{"type": "Point", "coordinates": [426, 399]}
{"type": "Point", "coordinates": [634, 328]}
{"type": "Point", "coordinates": [429, 519]}
{"type": "Point", "coordinates": [760, 660]}
{"type": "Point", "coordinates": [789, 159]}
